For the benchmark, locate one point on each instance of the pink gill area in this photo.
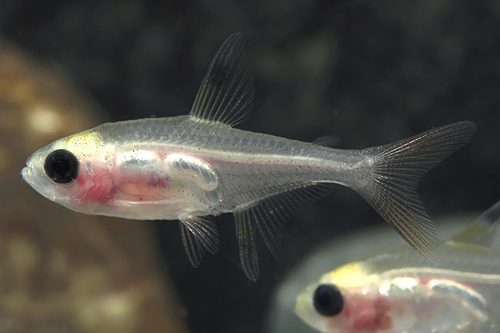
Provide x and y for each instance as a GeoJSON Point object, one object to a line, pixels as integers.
{"type": "Point", "coordinates": [367, 314]}
{"type": "Point", "coordinates": [99, 186]}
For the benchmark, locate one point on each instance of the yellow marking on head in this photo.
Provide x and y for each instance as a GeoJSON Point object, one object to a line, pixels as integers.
{"type": "Point", "coordinates": [349, 275]}
{"type": "Point", "coordinates": [86, 143]}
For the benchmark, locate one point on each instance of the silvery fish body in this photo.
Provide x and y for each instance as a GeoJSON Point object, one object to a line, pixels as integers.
{"type": "Point", "coordinates": [175, 167]}
{"type": "Point", "coordinates": [191, 167]}
{"type": "Point", "coordinates": [398, 291]}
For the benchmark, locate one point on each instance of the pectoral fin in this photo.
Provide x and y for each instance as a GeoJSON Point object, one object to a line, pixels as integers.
{"type": "Point", "coordinates": [226, 93]}
{"type": "Point", "coordinates": [199, 234]}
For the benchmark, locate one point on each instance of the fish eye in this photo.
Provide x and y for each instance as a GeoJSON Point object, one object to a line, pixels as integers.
{"type": "Point", "coordinates": [61, 166]}
{"type": "Point", "coordinates": [328, 300]}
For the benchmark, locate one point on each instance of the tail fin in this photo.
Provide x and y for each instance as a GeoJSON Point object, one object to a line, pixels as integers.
{"type": "Point", "coordinates": [396, 170]}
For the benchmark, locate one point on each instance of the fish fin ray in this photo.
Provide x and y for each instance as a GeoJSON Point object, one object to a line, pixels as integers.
{"type": "Point", "coordinates": [246, 242]}
{"type": "Point", "coordinates": [199, 234]}
{"type": "Point", "coordinates": [482, 230]}
{"type": "Point", "coordinates": [192, 247]}
{"type": "Point", "coordinates": [396, 170]}
{"type": "Point", "coordinates": [226, 94]}
{"type": "Point", "coordinates": [269, 217]}
{"type": "Point", "coordinates": [271, 214]}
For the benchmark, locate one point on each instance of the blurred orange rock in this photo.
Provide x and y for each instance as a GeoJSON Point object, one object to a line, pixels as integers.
{"type": "Point", "coordinates": [62, 271]}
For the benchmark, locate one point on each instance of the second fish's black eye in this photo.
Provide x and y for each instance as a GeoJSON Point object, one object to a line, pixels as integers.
{"type": "Point", "coordinates": [61, 166]}
{"type": "Point", "coordinates": [328, 300]}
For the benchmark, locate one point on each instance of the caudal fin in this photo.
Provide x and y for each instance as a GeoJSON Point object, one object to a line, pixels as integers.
{"type": "Point", "coordinates": [396, 170]}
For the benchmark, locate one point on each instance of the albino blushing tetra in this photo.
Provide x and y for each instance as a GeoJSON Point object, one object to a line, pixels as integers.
{"type": "Point", "coordinates": [189, 168]}
{"type": "Point", "coordinates": [396, 290]}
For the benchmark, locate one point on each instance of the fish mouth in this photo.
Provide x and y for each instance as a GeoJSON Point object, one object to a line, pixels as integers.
{"type": "Point", "coordinates": [38, 184]}
{"type": "Point", "coordinates": [34, 177]}
{"type": "Point", "coordinates": [299, 307]}
{"type": "Point", "coordinates": [26, 173]}
{"type": "Point", "coordinates": [30, 173]}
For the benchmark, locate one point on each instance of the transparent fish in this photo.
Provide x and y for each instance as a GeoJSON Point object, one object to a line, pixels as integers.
{"type": "Point", "coordinates": [398, 291]}
{"type": "Point", "coordinates": [192, 167]}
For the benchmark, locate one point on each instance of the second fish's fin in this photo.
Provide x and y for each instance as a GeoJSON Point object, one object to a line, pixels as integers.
{"type": "Point", "coordinates": [396, 170]}
{"type": "Point", "coordinates": [199, 234]}
{"type": "Point", "coordinates": [482, 230]}
{"type": "Point", "coordinates": [267, 218]}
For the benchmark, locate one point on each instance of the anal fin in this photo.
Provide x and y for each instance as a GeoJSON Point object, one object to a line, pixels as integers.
{"type": "Point", "coordinates": [199, 234]}
{"type": "Point", "coordinates": [246, 241]}
{"type": "Point", "coordinates": [269, 217]}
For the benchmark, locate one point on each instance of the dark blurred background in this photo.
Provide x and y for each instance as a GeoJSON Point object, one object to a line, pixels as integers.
{"type": "Point", "coordinates": [366, 72]}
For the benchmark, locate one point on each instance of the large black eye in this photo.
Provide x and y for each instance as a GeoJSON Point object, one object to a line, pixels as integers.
{"type": "Point", "coordinates": [61, 166]}
{"type": "Point", "coordinates": [328, 300]}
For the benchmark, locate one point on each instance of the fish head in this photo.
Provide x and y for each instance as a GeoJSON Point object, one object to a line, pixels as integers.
{"type": "Point", "coordinates": [344, 300]}
{"type": "Point", "coordinates": [306, 308]}
{"type": "Point", "coordinates": [65, 170]}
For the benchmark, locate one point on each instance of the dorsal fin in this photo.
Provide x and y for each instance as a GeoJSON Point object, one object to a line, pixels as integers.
{"type": "Point", "coordinates": [327, 141]}
{"type": "Point", "coordinates": [482, 230]}
{"type": "Point", "coordinates": [226, 93]}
